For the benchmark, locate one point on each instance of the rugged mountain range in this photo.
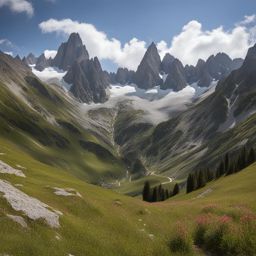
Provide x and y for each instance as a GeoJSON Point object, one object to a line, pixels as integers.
{"type": "Point", "coordinates": [213, 125]}
{"type": "Point", "coordinates": [169, 73]}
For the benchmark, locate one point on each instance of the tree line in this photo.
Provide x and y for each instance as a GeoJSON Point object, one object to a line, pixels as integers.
{"type": "Point", "coordinates": [226, 167]}
{"type": "Point", "coordinates": [158, 193]}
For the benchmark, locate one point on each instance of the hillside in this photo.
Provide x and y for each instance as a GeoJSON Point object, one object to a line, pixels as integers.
{"type": "Point", "coordinates": [94, 219]}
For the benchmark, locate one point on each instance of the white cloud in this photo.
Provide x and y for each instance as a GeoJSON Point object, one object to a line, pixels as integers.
{"type": "Point", "coordinates": [248, 19]}
{"type": "Point", "coordinates": [193, 42]}
{"type": "Point", "coordinates": [50, 54]}
{"type": "Point", "coordinates": [9, 53]}
{"type": "Point", "coordinates": [6, 42]}
{"type": "Point", "coordinates": [97, 42]}
{"type": "Point", "coordinates": [18, 6]}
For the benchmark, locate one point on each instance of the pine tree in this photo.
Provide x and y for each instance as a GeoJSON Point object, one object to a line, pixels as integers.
{"type": "Point", "coordinates": [209, 175]}
{"type": "Point", "coordinates": [146, 192]}
{"type": "Point", "coordinates": [222, 168]}
{"type": "Point", "coordinates": [226, 163]}
{"type": "Point", "coordinates": [176, 190]}
{"type": "Point", "coordinates": [195, 181]}
{"type": "Point", "coordinates": [190, 183]}
{"type": "Point", "coordinates": [155, 195]}
{"type": "Point", "coordinates": [201, 179]}
{"type": "Point", "coordinates": [251, 157]}
{"type": "Point", "coordinates": [167, 194]}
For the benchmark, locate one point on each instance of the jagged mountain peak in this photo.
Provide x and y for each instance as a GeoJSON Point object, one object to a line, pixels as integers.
{"type": "Point", "coordinates": [70, 51]}
{"type": "Point", "coordinates": [147, 74]}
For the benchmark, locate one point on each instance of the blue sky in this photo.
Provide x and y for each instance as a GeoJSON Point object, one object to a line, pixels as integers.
{"type": "Point", "coordinates": [146, 20]}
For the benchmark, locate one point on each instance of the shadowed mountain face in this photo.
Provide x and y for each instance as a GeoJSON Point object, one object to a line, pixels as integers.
{"type": "Point", "coordinates": [210, 125]}
{"type": "Point", "coordinates": [175, 79]}
{"type": "Point", "coordinates": [88, 81]}
{"type": "Point", "coordinates": [215, 68]}
{"type": "Point", "coordinates": [42, 63]}
{"type": "Point", "coordinates": [30, 59]}
{"type": "Point", "coordinates": [147, 74]}
{"type": "Point", "coordinates": [69, 52]}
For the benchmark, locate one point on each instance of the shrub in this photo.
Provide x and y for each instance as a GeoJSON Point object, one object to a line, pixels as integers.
{"type": "Point", "coordinates": [182, 242]}
{"type": "Point", "coordinates": [227, 235]}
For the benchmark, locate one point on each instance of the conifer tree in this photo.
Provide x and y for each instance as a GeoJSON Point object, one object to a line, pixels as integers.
{"type": "Point", "coordinates": [226, 163]}
{"type": "Point", "coordinates": [251, 157]}
{"type": "Point", "coordinates": [167, 195]}
{"type": "Point", "coordinates": [155, 195]}
{"type": "Point", "coordinates": [190, 183]}
{"type": "Point", "coordinates": [176, 189]}
{"type": "Point", "coordinates": [201, 179]}
{"type": "Point", "coordinates": [146, 192]}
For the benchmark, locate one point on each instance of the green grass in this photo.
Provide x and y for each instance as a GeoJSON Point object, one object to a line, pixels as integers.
{"type": "Point", "coordinates": [106, 221]}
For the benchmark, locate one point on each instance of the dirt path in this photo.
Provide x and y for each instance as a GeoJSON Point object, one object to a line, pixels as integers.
{"type": "Point", "coordinates": [162, 176]}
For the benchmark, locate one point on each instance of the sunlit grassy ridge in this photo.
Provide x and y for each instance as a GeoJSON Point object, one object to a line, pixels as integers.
{"type": "Point", "coordinates": [105, 221]}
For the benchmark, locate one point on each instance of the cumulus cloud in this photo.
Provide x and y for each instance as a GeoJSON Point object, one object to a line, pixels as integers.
{"type": "Point", "coordinates": [193, 42]}
{"type": "Point", "coordinates": [98, 43]}
{"type": "Point", "coordinates": [18, 6]}
{"type": "Point", "coordinates": [50, 54]}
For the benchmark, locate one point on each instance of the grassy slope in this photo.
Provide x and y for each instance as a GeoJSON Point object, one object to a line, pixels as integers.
{"type": "Point", "coordinates": [105, 221]}
{"type": "Point", "coordinates": [29, 127]}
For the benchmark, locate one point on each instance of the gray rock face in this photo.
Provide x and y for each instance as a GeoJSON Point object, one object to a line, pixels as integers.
{"type": "Point", "coordinates": [42, 63]}
{"type": "Point", "coordinates": [88, 81]}
{"type": "Point", "coordinates": [176, 79]}
{"type": "Point", "coordinates": [166, 63]}
{"type": "Point", "coordinates": [30, 59]}
{"type": "Point", "coordinates": [147, 74]}
{"type": "Point", "coordinates": [124, 76]}
{"type": "Point", "coordinates": [215, 68]}
{"type": "Point", "coordinates": [69, 52]}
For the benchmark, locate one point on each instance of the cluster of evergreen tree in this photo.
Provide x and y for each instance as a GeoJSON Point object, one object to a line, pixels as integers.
{"type": "Point", "coordinates": [158, 193]}
{"type": "Point", "coordinates": [244, 159]}
{"type": "Point", "coordinates": [226, 167]}
{"type": "Point", "coordinates": [198, 180]}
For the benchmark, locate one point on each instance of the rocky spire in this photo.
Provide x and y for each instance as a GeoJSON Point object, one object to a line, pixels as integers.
{"type": "Point", "coordinates": [69, 52]}
{"type": "Point", "coordinates": [147, 74]}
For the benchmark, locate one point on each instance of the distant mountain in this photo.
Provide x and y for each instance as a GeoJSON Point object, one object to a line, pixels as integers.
{"type": "Point", "coordinates": [69, 52]}
{"type": "Point", "coordinates": [176, 78]}
{"type": "Point", "coordinates": [215, 68]}
{"type": "Point", "coordinates": [88, 81]}
{"type": "Point", "coordinates": [166, 64]}
{"type": "Point", "coordinates": [147, 74]}
{"type": "Point", "coordinates": [42, 63]}
{"type": "Point", "coordinates": [30, 59]}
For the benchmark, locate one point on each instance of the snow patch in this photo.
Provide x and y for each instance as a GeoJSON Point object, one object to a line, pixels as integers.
{"type": "Point", "coordinates": [5, 168]}
{"type": "Point", "coordinates": [32, 207]}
